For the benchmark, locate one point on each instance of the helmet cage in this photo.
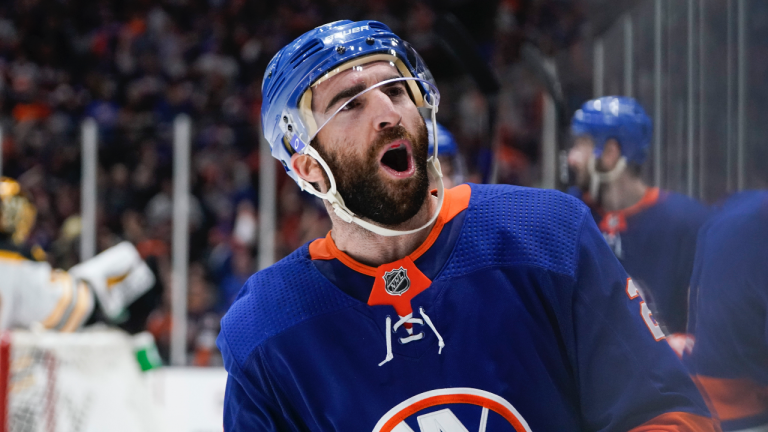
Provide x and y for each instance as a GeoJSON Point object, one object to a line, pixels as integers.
{"type": "Point", "coordinates": [298, 125]}
{"type": "Point", "coordinates": [430, 100]}
{"type": "Point", "coordinates": [287, 120]}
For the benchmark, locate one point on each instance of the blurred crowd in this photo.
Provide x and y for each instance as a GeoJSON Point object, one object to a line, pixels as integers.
{"type": "Point", "coordinates": [133, 66]}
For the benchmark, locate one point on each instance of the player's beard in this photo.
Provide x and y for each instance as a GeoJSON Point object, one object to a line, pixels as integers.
{"type": "Point", "coordinates": [581, 178]}
{"type": "Point", "coordinates": [366, 193]}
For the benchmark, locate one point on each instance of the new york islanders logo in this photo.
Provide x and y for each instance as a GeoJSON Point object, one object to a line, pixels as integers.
{"type": "Point", "coordinates": [396, 282]}
{"type": "Point", "coordinates": [445, 420]}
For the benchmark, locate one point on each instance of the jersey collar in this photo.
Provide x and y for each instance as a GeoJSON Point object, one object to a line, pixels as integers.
{"type": "Point", "coordinates": [616, 221]}
{"type": "Point", "coordinates": [456, 200]}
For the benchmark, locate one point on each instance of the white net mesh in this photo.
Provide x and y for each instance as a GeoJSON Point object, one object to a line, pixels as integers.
{"type": "Point", "coordinates": [81, 382]}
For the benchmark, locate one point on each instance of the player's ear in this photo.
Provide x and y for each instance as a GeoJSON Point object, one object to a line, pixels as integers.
{"type": "Point", "coordinates": [309, 170]}
{"type": "Point", "coordinates": [611, 154]}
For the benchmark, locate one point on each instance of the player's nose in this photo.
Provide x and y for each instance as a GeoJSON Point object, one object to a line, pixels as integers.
{"type": "Point", "coordinates": [575, 157]}
{"type": "Point", "coordinates": [385, 114]}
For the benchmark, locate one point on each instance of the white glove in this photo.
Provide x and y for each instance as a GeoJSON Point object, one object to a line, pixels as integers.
{"type": "Point", "coordinates": [118, 276]}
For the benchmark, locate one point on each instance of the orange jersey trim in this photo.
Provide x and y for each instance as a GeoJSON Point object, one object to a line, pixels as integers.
{"type": "Point", "coordinates": [677, 422]}
{"type": "Point", "coordinates": [456, 201]}
{"type": "Point", "coordinates": [454, 399]}
{"type": "Point", "coordinates": [734, 399]}
{"type": "Point", "coordinates": [616, 221]}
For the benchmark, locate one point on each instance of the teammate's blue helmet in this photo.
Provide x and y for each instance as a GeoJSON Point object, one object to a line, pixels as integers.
{"type": "Point", "coordinates": [618, 117]}
{"type": "Point", "coordinates": [446, 144]}
{"type": "Point", "coordinates": [286, 115]}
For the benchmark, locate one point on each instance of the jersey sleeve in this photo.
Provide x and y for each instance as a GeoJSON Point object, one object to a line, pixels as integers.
{"type": "Point", "coordinates": [628, 377]}
{"type": "Point", "coordinates": [250, 402]}
{"type": "Point", "coordinates": [730, 329]}
{"type": "Point", "coordinates": [33, 292]}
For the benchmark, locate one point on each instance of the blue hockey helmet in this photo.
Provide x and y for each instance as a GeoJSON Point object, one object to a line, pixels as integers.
{"type": "Point", "coordinates": [618, 117]}
{"type": "Point", "coordinates": [319, 54]}
{"type": "Point", "coordinates": [446, 144]}
{"type": "Point", "coordinates": [289, 122]}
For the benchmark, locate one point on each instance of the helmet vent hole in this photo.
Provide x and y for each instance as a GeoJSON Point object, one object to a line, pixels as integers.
{"type": "Point", "coordinates": [277, 83]}
{"type": "Point", "coordinates": [374, 25]}
{"type": "Point", "coordinates": [305, 52]}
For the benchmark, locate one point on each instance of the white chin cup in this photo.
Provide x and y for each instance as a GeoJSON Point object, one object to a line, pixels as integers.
{"type": "Point", "coordinates": [597, 178]}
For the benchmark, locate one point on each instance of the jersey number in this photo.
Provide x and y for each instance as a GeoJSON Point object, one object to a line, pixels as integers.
{"type": "Point", "coordinates": [645, 311]}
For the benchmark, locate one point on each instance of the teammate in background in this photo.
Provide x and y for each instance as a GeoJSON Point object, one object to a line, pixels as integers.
{"type": "Point", "coordinates": [651, 231]}
{"type": "Point", "coordinates": [416, 312]}
{"type": "Point", "coordinates": [32, 293]}
{"type": "Point", "coordinates": [451, 161]}
{"type": "Point", "coordinates": [729, 312]}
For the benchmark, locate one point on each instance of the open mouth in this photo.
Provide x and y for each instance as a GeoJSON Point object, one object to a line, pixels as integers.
{"type": "Point", "coordinates": [397, 159]}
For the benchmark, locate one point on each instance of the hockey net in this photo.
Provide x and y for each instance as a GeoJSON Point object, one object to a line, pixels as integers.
{"type": "Point", "coordinates": [74, 382]}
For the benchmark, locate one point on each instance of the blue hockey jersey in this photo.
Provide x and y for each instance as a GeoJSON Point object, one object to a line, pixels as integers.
{"type": "Point", "coordinates": [514, 315]}
{"type": "Point", "coordinates": [655, 241]}
{"type": "Point", "coordinates": [729, 304]}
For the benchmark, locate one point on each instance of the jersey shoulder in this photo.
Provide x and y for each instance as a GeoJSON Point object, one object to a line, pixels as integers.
{"type": "Point", "coordinates": [742, 217]}
{"type": "Point", "coordinates": [731, 247]}
{"type": "Point", "coordinates": [683, 205]}
{"type": "Point", "coordinates": [675, 208]}
{"type": "Point", "coordinates": [275, 299]}
{"type": "Point", "coordinates": [11, 251]}
{"type": "Point", "coordinates": [674, 212]}
{"type": "Point", "coordinates": [512, 225]}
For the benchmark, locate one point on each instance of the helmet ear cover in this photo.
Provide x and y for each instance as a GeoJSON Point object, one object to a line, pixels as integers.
{"type": "Point", "coordinates": [305, 103]}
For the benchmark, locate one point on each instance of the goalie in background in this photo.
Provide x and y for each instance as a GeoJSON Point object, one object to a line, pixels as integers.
{"type": "Point", "coordinates": [35, 294]}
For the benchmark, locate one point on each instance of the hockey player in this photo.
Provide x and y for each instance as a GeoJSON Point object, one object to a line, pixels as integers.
{"type": "Point", "coordinates": [451, 161]}
{"type": "Point", "coordinates": [32, 293]}
{"type": "Point", "coordinates": [492, 305]}
{"type": "Point", "coordinates": [729, 304]}
{"type": "Point", "coordinates": [651, 231]}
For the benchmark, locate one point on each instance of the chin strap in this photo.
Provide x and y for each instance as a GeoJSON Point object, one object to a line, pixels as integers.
{"type": "Point", "coordinates": [596, 178]}
{"type": "Point", "coordinates": [337, 202]}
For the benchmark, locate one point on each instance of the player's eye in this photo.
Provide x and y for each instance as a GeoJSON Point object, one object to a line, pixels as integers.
{"type": "Point", "coordinates": [395, 91]}
{"type": "Point", "coordinates": [351, 105]}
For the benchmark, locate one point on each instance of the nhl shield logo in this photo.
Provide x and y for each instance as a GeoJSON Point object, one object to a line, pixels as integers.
{"type": "Point", "coordinates": [396, 282]}
{"type": "Point", "coordinates": [613, 221]}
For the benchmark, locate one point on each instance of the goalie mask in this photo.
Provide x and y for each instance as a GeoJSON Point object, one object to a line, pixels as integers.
{"type": "Point", "coordinates": [17, 213]}
{"type": "Point", "coordinates": [291, 119]}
